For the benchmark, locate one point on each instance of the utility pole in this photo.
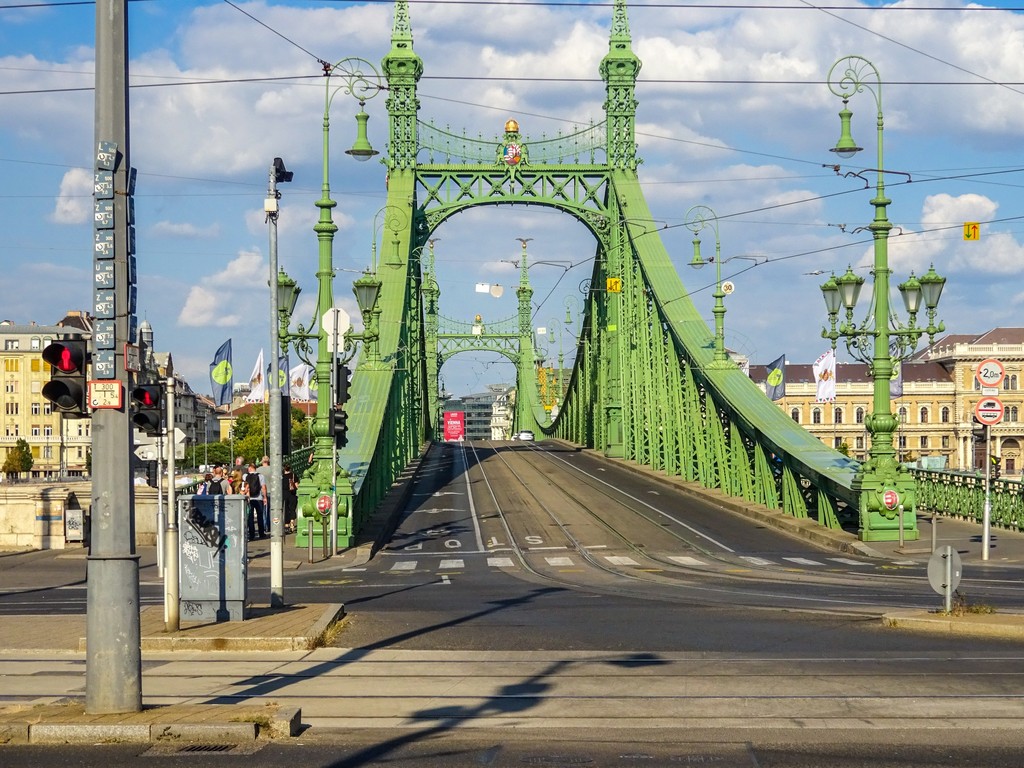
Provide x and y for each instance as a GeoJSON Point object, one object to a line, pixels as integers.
{"type": "Point", "coordinates": [113, 671]}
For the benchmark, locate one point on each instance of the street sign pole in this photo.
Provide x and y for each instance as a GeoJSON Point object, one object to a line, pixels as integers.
{"type": "Point", "coordinates": [986, 518]}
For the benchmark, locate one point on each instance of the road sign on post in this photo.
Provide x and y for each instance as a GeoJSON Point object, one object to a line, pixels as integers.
{"type": "Point", "coordinates": [990, 372]}
{"type": "Point", "coordinates": [989, 410]}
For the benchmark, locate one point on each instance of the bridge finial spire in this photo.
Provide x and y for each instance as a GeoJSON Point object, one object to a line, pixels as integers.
{"type": "Point", "coordinates": [619, 70]}
{"type": "Point", "coordinates": [402, 68]}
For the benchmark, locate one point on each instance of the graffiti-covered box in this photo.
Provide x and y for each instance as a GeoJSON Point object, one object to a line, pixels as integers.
{"type": "Point", "coordinates": [211, 536]}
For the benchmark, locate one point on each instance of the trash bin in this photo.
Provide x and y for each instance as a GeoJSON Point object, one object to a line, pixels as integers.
{"type": "Point", "coordinates": [211, 551]}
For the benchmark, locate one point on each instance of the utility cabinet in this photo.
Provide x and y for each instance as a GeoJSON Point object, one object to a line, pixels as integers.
{"type": "Point", "coordinates": [211, 565]}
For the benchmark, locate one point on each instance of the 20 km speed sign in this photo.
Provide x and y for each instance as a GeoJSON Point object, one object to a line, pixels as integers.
{"type": "Point", "coordinates": [989, 410]}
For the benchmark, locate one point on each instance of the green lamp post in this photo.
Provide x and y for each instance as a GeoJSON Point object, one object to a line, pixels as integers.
{"type": "Point", "coordinates": [885, 488]}
{"type": "Point", "coordinates": [697, 218]}
{"type": "Point", "coordinates": [357, 78]}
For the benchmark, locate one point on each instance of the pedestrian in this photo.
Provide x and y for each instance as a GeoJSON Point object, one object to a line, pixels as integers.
{"type": "Point", "coordinates": [204, 486]}
{"type": "Point", "coordinates": [290, 487]}
{"type": "Point", "coordinates": [218, 484]}
{"type": "Point", "coordinates": [264, 472]}
{"type": "Point", "coordinates": [236, 479]}
{"type": "Point", "coordinates": [252, 487]}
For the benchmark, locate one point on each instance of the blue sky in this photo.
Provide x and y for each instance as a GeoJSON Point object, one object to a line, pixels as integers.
{"type": "Point", "coordinates": [734, 114]}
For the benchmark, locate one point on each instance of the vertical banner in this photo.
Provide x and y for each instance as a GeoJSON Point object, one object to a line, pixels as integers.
{"type": "Point", "coordinates": [776, 380]}
{"type": "Point", "coordinates": [222, 376]}
{"type": "Point", "coordinates": [257, 382]}
{"type": "Point", "coordinates": [825, 377]}
{"type": "Point", "coordinates": [454, 425]}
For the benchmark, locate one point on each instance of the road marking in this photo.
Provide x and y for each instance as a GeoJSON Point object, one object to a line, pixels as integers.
{"type": "Point", "coordinates": [596, 546]}
{"type": "Point", "coordinates": [802, 561]}
{"type": "Point", "coordinates": [683, 560]}
{"type": "Point", "coordinates": [904, 562]}
{"type": "Point", "coordinates": [848, 561]}
{"type": "Point", "coordinates": [559, 561]}
{"type": "Point", "coordinates": [444, 579]}
{"type": "Point", "coordinates": [404, 565]}
{"type": "Point", "coordinates": [452, 565]}
{"type": "Point", "coordinates": [500, 562]}
{"type": "Point", "coordinates": [620, 560]}
{"type": "Point", "coordinates": [755, 560]}
{"type": "Point", "coordinates": [544, 549]}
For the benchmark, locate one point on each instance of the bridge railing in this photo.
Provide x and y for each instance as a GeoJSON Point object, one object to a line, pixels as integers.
{"type": "Point", "coordinates": [962, 495]}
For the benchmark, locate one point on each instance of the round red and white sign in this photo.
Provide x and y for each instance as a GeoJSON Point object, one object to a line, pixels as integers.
{"type": "Point", "coordinates": [989, 410]}
{"type": "Point", "coordinates": [990, 373]}
{"type": "Point", "coordinates": [323, 503]}
{"type": "Point", "coordinates": [890, 498]}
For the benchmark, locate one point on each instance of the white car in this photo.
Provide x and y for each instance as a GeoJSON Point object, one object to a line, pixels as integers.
{"type": "Point", "coordinates": [524, 435]}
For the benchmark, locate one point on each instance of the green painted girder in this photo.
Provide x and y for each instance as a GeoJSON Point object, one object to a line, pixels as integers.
{"type": "Point", "coordinates": [578, 190]}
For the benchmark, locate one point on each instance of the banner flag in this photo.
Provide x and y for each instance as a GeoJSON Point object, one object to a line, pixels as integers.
{"type": "Point", "coordinates": [222, 378]}
{"type": "Point", "coordinates": [299, 381]}
{"type": "Point", "coordinates": [825, 377]}
{"type": "Point", "coordinates": [257, 382]}
{"type": "Point", "coordinates": [896, 380]}
{"type": "Point", "coordinates": [776, 380]}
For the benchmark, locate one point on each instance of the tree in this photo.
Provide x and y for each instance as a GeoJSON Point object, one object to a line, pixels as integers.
{"type": "Point", "coordinates": [19, 458]}
{"type": "Point", "coordinates": [844, 448]}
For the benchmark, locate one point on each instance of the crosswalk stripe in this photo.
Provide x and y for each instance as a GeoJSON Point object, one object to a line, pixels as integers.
{"type": "Point", "coordinates": [802, 561]}
{"type": "Point", "coordinates": [620, 560]}
{"type": "Point", "coordinates": [848, 561]}
{"type": "Point", "coordinates": [559, 561]}
{"type": "Point", "coordinates": [684, 560]}
{"type": "Point", "coordinates": [451, 565]}
{"type": "Point", "coordinates": [500, 562]}
{"type": "Point", "coordinates": [755, 560]}
{"type": "Point", "coordinates": [404, 565]}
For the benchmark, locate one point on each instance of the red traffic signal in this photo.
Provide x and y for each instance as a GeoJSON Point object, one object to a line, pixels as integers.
{"type": "Point", "coordinates": [66, 388]}
{"type": "Point", "coordinates": [148, 399]}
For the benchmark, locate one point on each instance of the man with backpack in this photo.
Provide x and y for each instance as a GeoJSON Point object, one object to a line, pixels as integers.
{"type": "Point", "coordinates": [218, 484]}
{"type": "Point", "coordinates": [252, 486]}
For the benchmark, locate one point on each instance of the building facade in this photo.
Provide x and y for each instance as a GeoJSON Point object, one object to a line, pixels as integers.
{"type": "Point", "coordinates": [935, 410]}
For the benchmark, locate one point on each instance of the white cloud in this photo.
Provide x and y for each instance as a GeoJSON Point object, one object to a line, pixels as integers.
{"type": "Point", "coordinates": [74, 201]}
{"type": "Point", "coordinates": [185, 229]}
{"type": "Point", "coordinates": [204, 308]}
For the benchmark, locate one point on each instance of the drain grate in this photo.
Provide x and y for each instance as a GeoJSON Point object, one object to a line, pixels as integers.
{"type": "Point", "coordinates": [207, 748]}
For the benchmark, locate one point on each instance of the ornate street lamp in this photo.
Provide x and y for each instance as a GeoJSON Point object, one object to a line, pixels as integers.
{"type": "Point", "coordinates": [357, 78]}
{"type": "Point", "coordinates": [885, 488]}
{"type": "Point", "coordinates": [697, 218]}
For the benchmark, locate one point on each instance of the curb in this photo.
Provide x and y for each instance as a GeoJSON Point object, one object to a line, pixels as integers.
{"type": "Point", "coordinates": [1007, 626]}
{"type": "Point", "coordinates": [41, 725]}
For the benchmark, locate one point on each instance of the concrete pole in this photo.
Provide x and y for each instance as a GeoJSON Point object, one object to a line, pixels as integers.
{"type": "Point", "coordinates": [276, 448]}
{"type": "Point", "coordinates": [113, 663]}
{"type": "Point", "coordinates": [172, 617]}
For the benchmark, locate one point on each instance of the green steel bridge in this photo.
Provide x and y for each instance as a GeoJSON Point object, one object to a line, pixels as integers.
{"type": "Point", "coordinates": [646, 385]}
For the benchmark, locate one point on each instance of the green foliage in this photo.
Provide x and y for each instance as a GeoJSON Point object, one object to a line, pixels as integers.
{"type": "Point", "coordinates": [208, 453]}
{"type": "Point", "coordinates": [19, 458]}
{"type": "Point", "coordinates": [844, 448]}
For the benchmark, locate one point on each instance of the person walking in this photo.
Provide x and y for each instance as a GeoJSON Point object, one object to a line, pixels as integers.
{"type": "Point", "coordinates": [264, 472]}
{"type": "Point", "coordinates": [218, 485]}
{"type": "Point", "coordinates": [290, 487]}
{"type": "Point", "coordinates": [252, 487]}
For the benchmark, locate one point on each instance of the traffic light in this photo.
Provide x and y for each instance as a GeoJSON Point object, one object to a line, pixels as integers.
{"type": "Point", "coordinates": [342, 373]}
{"type": "Point", "coordinates": [978, 430]}
{"type": "Point", "coordinates": [995, 462]}
{"type": "Point", "coordinates": [339, 426]}
{"type": "Point", "coordinates": [67, 385]}
{"type": "Point", "coordinates": [148, 399]}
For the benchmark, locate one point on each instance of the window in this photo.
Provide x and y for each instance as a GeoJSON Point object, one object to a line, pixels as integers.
{"type": "Point", "coordinates": [47, 408]}
{"type": "Point", "coordinates": [945, 441]}
{"type": "Point", "coordinates": [903, 442]}
{"type": "Point", "coordinates": [11, 408]}
{"type": "Point", "coordinates": [837, 442]}
{"type": "Point", "coordinates": [794, 414]}
{"type": "Point", "coordinates": [816, 416]}
{"type": "Point", "coordinates": [837, 416]}
{"type": "Point", "coordinates": [47, 451]}
{"type": "Point", "coordinates": [36, 343]}
{"type": "Point", "coordinates": [859, 415]}
{"type": "Point", "coordinates": [34, 430]}
{"type": "Point", "coordinates": [923, 415]}
{"type": "Point", "coordinates": [1011, 413]}
{"type": "Point", "coordinates": [11, 387]}
{"type": "Point", "coordinates": [12, 344]}
{"type": "Point", "coordinates": [37, 364]}
{"type": "Point", "coordinates": [12, 430]}
{"type": "Point", "coordinates": [903, 415]}
{"type": "Point", "coordinates": [12, 365]}
{"type": "Point", "coordinates": [924, 442]}
{"type": "Point", "coordinates": [47, 431]}
{"type": "Point", "coordinates": [977, 385]}
{"type": "Point", "coordinates": [37, 408]}
{"type": "Point", "coordinates": [944, 414]}
{"type": "Point", "coordinates": [860, 443]}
